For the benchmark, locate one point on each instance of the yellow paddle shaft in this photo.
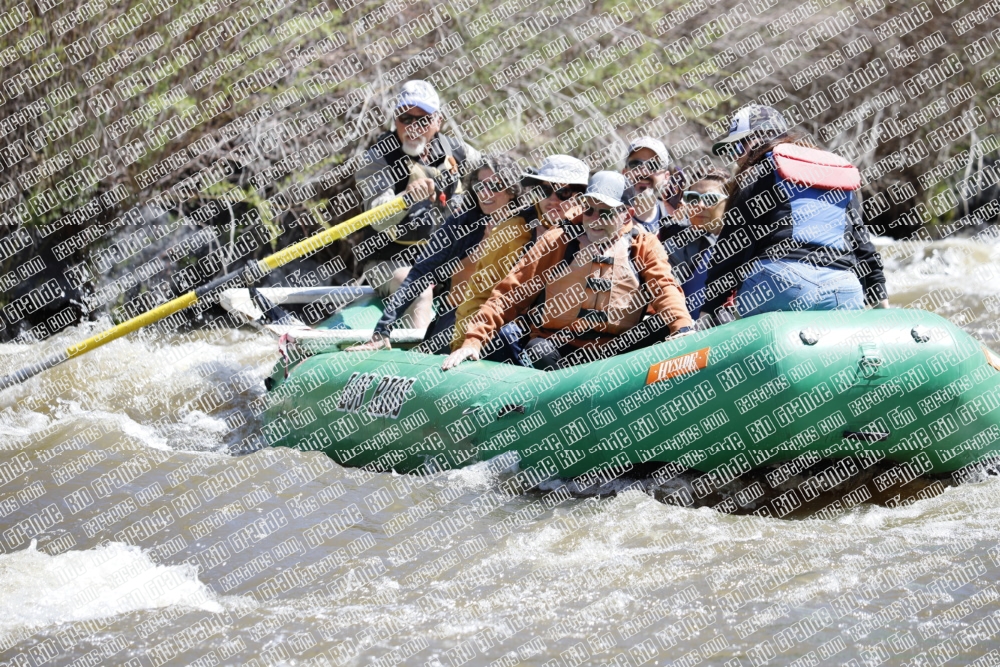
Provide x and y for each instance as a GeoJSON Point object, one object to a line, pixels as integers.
{"type": "Point", "coordinates": [264, 266]}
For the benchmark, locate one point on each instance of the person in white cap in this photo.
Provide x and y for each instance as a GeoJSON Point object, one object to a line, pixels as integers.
{"type": "Point", "coordinates": [573, 296]}
{"type": "Point", "coordinates": [408, 159]}
{"type": "Point", "coordinates": [807, 250]}
{"type": "Point", "coordinates": [647, 167]}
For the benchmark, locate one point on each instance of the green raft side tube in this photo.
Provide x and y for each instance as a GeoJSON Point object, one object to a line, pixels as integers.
{"type": "Point", "coordinates": [903, 385]}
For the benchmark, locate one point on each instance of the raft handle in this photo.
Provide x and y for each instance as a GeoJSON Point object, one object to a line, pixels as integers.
{"type": "Point", "coordinates": [866, 436]}
{"type": "Point", "coordinates": [871, 360]}
{"type": "Point", "coordinates": [507, 409]}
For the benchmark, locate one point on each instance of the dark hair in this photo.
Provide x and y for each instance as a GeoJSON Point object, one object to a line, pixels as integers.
{"type": "Point", "coordinates": [714, 174]}
{"type": "Point", "coordinates": [758, 154]}
{"type": "Point", "coordinates": [504, 167]}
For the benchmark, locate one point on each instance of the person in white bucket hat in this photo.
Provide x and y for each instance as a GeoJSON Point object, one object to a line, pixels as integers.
{"type": "Point", "coordinates": [559, 181]}
{"type": "Point", "coordinates": [620, 271]}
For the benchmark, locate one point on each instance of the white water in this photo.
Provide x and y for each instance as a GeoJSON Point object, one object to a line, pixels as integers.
{"type": "Point", "coordinates": [38, 590]}
{"type": "Point", "coordinates": [564, 576]}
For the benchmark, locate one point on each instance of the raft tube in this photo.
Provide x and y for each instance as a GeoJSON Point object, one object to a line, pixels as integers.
{"type": "Point", "coordinates": [901, 385]}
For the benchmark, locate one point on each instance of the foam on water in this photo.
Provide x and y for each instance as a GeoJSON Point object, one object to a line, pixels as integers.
{"type": "Point", "coordinates": [482, 475]}
{"type": "Point", "coordinates": [132, 381]}
{"type": "Point", "coordinates": [915, 270]}
{"type": "Point", "coordinates": [39, 590]}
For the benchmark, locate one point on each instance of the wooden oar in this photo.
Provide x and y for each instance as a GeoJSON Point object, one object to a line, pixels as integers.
{"type": "Point", "coordinates": [239, 278]}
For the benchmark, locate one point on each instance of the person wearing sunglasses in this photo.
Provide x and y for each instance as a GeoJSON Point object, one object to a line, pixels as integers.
{"type": "Point", "coordinates": [690, 237]}
{"type": "Point", "coordinates": [558, 183]}
{"type": "Point", "coordinates": [407, 159]}
{"type": "Point", "coordinates": [516, 236]}
{"type": "Point", "coordinates": [647, 167]}
{"type": "Point", "coordinates": [466, 256]}
{"type": "Point", "coordinates": [574, 294]}
{"type": "Point", "coordinates": [794, 223]}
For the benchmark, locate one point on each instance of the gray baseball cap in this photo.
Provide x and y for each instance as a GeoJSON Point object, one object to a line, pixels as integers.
{"type": "Point", "coordinates": [611, 188]}
{"type": "Point", "coordinates": [751, 120]}
{"type": "Point", "coordinates": [561, 169]}
{"type": "Point", "coordinates": [654, 145]}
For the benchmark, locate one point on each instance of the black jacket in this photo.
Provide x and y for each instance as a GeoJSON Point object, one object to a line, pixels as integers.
{"type": "Point", "coordinates": [688, 249]}
{"type": "Point", "coordinates": [747, 236]}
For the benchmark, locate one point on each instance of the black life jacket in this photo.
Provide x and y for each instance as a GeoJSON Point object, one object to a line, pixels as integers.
{"type": "Point", "coordinates": [420, 220]}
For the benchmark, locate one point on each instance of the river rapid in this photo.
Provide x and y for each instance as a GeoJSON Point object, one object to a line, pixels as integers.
{"type": "Point", "coordinates": [134, 532]}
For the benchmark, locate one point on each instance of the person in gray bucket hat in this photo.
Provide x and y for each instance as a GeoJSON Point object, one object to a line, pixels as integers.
{"type": "Point", "coordinates": [558, 182]}
{"type": "Point", "coordinates": [578, 297]}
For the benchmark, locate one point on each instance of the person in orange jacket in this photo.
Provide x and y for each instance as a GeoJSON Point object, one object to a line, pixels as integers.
{"type": "Point", "coordinates": [560, 180]}
{"type": "Point", "coordinates": [576, 297]}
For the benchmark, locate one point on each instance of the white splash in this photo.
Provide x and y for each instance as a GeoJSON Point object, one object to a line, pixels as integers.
{"type": "Point", "coordinates": [37, 589]}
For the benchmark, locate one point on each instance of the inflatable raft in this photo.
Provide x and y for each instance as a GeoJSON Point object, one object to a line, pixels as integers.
{"type": "Point", "coordinates": [896, 385]}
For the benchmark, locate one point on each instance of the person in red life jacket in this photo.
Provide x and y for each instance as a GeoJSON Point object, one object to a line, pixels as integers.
{"type": "Point", "coordinates": [575, 298]}
{"type": "Point", "coordinates": [793, 237]}
{"type": "Point", "coordinates": [647, 168]}
{"type": "Point", "coordinates": [690, 239]}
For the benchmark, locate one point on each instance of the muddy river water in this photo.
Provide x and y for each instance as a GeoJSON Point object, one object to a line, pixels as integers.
{"type": "Point", "coordinates": [132, 534]}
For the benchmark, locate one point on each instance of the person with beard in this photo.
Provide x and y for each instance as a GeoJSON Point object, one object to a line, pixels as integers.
{"type": "Point", "coordinates": [594, 289]}
{"type": "Point", "coordinates": [406, 159]}
{"type": "Point", "coordinates": [647, 167]}
{"type": "Point", "coordinates": [466, 256]}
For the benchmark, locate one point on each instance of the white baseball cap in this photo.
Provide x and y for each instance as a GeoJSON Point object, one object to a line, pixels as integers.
{"type": "Point", "coordinates": [419, 93]}
{"type": "Point", "coordinates": [654, 145]}
{"type": "Point", "coordinates": [611, 188]}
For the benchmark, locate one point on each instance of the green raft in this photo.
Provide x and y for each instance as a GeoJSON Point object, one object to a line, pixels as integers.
{"type": "Point", "coordinates": [898, 385]}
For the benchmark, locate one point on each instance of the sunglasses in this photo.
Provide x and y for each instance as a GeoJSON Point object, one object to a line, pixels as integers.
{"type": "Point", "coordinates": [648, 166]}
{"type": "Point", "coordinates": [603, 214]}
{"type": "Point", "coordinates": [704, 198]}
{"type": "Point", "coordinates": [409, 119]}
{"type": "Point", "coordinates": [564, 193]}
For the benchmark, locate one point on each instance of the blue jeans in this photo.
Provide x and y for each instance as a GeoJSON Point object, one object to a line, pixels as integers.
{"type": "Point", "coordinates": [789, 285]}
